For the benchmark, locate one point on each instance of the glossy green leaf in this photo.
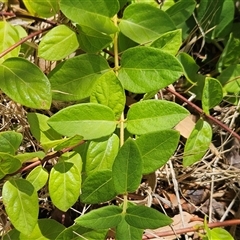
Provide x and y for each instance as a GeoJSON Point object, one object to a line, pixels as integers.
{"type": "Point", "coordinates": [169, 42]}
{"type": "Point", "coordinates": [144, 217]}
{"type": "Point", "coordinates": [89, 120]}
{"type": "Point", "coordinates": [218, 233]}
{"type": "Point", "coordinates": [8, 164]}
{"type": "Point", "coordinates": [97, 39]}
{"type": "Point", "coordinates": [10, 141]}
{"type": "Point", "coordinates": [96, 16]}
{"type": "Point", "coordinates": [197, 143]}
{"type": "Point", "coordinates": [102, 218]}
{"type": "Point", "coordinates": [229, 54]}
{"type": "Point", "coordinates": [230, 79]}
{"type": "Point", "coordinates": [21, 203]}
{"type": "Point", "coordinates": [145, 69]}
{"type": "Point", "coordinates": [8, 36]}
{"type": "Point", "coordinates": [154, 115]}
{"type": "Point", "coordinates": [40, 129]}
{"type": "Point", "coordinates": [58, 43]}
{"type": "Point", "coordinates": [212, 94]}
{"type": "Point", "coordinates": [108, 91]}
{"type": "Point", "coordinates": [126, 231]}
{"type": "Point", "coordinates": [30, 156]}
{"type": "Point", "coordinates": [25, 83]}
{"type": "Point", "coordinates": [101, 154]}
{"type": "Point", "coordinates": [181, 11]}
{"type": "Point", "coordinates": [38, 177]}
{"type": "Point", "coordinates": [45, 229]}
{"type": "Point", "coordinates": [144, 23]}
{"type": "Point", "coordinates": [75, 231]}
{"type": "Point", "coordinates": [127, 168]}
{"type": "Point", "coordinates": [156, 148]}
{"type": "Point", "coordinates": [65, 184]}
{"type": "Point", "coordinates": [98, 187]}
{"type": "Point", "coordinates": [47, 8]}
{"type": "Point", "coordinates": [71, 82]}
{"type": "Point", "coordinates": [189, 65]}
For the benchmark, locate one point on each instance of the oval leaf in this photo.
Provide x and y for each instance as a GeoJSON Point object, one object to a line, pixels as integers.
{"type": "Point", "coordinates": [109, 91]}
{"type": "Point", "coordinates": [101, 154]}
{"type": "Point", "coordinates": [144, 217]}
{"type": "Point", "coordinates": [9, 36]}
{"type": "Point", "coordinates": [139, 23]}
{"type": "Point", "coordinates": [212, 94]}
{"type": "Point", "coordinates": [151, 116]}
{"type": "Point", "coordinates": [98, 187]}
{"type": "Point", "coordinates": [102, 218]}
{"type": "Point", "coordinates": [25, 83]}
{"type": "Point", "coordinates": [71, 83]}
{"type": "Point", "coordinates": [64, 185]}
{"type": "Point", "coordinates": [197, 143]}
{"type": "Point", "coordinates": [89, 120]}
{"type": "Point", "coordinates": [127, 168]}
{"type": "Point", "coordinates": [21, 203]}
{"type": "Point", "coordinates": [150, 73]}
{"type": "Point", "coordinates": [10, 141]}
{"type": "Point", "coordinates": [58, 43]}
{"type": "Point", "coordinates": [156, 148]}
{"type": "Point", "coordinates": [38, 177]}
{"type": "Point", "coordinates": [8, 164]}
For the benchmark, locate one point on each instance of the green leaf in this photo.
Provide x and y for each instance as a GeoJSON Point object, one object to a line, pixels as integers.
{"type": "Point", "coordinates": [38, 177]}
{"type": "Point", "coordinates": [154, 115]}
{"type": "Point", "coordinates": [127, 168]}
{"type": "Point", "coordinates": [109, 91]}
{"type": "Point", "coordinates": [212, 94]}
{"type": "Point", "coordinates": [58, 43]}
{"type": "Point", "coordinates": [197, 143]}
{"type": "Point", "coordinates": [98, 187]}
{"type": "Point", "coordinates": [102, 218]}
{"type": "Point", "coordinates": [10, 141]}
{"type": "Point", "coordinates": [126, 231]}
{"type": "Point", "coordinates": [12, 234]}
{"type": "Point", "coordinates": [65, 183]}
{"type": "Point", "coordinates": [25, 83]}
{"type": "Point", "coordinates": [181, 11]}
{"type": "Point", "coordinates": [21, 204]}
{"type": "Point", "coordinates": [29, 156]}
{"type": "Point", "coordinates": [145, 69]}
{"type": "Point", "coordinates": [9, 36]}
{"type": "Point", "coordinates": [230, 79]}
{"type": "Point", "coordinates": [139, 23]}
{"type": "Point", "coordinates": [89, 120]}
{"type": "Point", "coordinates": [144, 217]}
{"type": "Point", "coordinates": [96, 16]}
{"type": "Point", "coordinates": [156, 148]}
{"type": "Point", "coordinates": [69, 142]}
{"type": "Point", "coordinates": [47, 8]}
{"type": "Point", "coordinates": [101, 154]}
{"type": "Point", "coordinates": [169, 42]}
{"type": "Point", "coordinates": [45, 229]}
{"type": "Point", "coordinates": [8, 164]}
{"type": "Point", "coordinates": [40, 129]}
{"type": "Point", "coordinates": [71, 83]}
{"type": "Point", "coordinates": [229, 54]}
{"type": "Point", "coordinates": [219, 233]}
{"type": "Point", "coordinates": [75, 231]}
{"type": "Point", "coordinates": [97, 39]}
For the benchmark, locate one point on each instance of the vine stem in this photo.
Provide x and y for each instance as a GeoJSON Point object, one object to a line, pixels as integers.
{"type": "Point", "coordinates": [200, 111]}
{"type": "Point", "coordinates": [2, 54]}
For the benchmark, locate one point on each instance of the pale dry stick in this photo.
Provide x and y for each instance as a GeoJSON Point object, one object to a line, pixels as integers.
{"type": "Point", "coordinates": [230, 206]}
{"type": "Point", "coordinates": [176, 189]}
{"type": "Point", "coordinates": [235, 115]}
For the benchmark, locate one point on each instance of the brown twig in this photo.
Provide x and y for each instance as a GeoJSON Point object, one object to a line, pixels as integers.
{"type": "Point", "coordinates": [200, 111]}
{"type": "Point", "coordinates": [192, 229]}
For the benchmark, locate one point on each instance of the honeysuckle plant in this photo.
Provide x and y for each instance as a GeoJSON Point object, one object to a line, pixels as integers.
{"type": "Point", "coordinates": [101, 149]}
